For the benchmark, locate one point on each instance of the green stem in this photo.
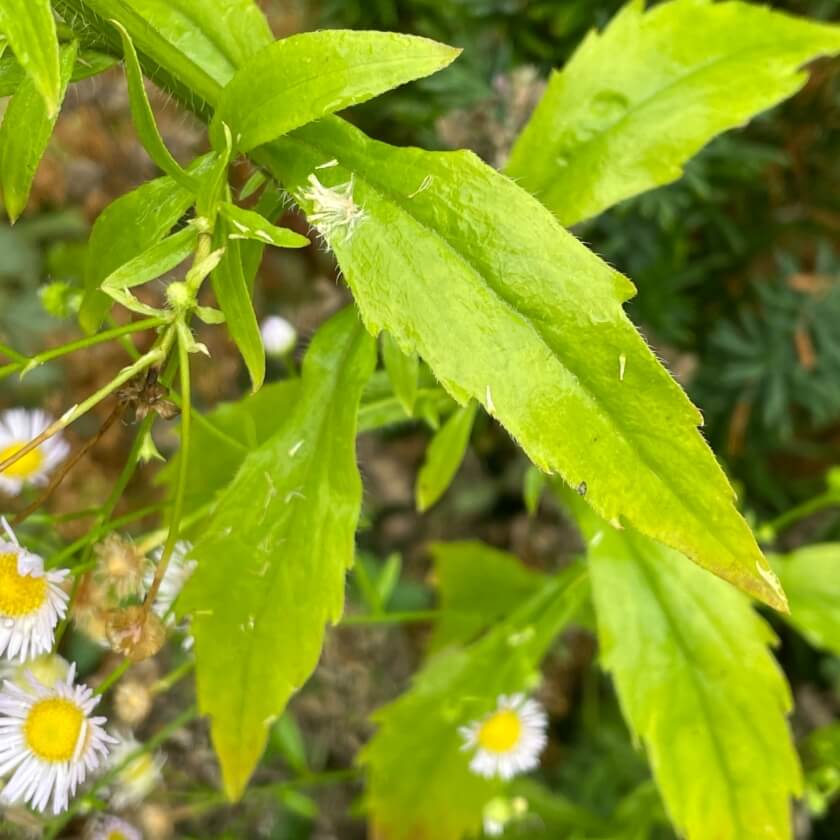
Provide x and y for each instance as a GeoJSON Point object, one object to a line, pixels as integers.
{"type": "Point", "coordinates": [113, 677]}
{"type": "Point", "coordinates": [825, 500]}
{"type": "Point", "coordinates": [165, 683]}
{"type": "Point", "coordinates": [183, 467]}
{"type": "Point", "coordinates": [410, 617]}
{"type": "Point", "coordinates": [13, 354]}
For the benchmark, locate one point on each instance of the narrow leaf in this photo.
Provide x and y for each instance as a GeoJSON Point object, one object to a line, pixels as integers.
{"type": "Point", "coordinates": [678, 75]}
{"type": "Point", "coordinates": [29, 27]}
{"type": "Point", "coordinates": [247, 224]}
{"type": "Point", "coordinates": [507, 307]}
{"type": "Point", "coordinates": [444, 455]}
{"type": "Point", "coordinates": [234, 299]}
{"type": "Point", "coordinates": [25, 133]}
{"type": "Point", "coordinates": [153, 262]}
{"type": "Point", "coordinates": [403, 371]}
{"type": "Point", "coordinates": [811, 577]}
{"type": "Point", "coordinates": [479, 586]}
{"type": "Point", "coordinates": [273, 558]}
{"type": "Point", "coordinates": [88, 63]}
{"type": "Point", "coordinates": [697, 684]}
{"type": "Point", "coordinates": [144, 119]}
{"type": "Point", "coordinates": [299, 79]}
{"type": "Point", "coordinates": [125, 229]}
{"type": "Point", "coordinates": [419, 781]}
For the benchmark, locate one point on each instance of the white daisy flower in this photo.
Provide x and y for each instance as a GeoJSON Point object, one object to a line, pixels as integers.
{"type": "Point", "coordinates": [17, 427]}
{"type": "Point", "coordinates": [113, 828]}
{"type": "Point", "coordinates": [509, 740]}
{"type": "Point", "coordinates": [49, 742]}
{"type": "Point", "coordinates": [135, 781]}
{"type": "Point", "coordinates": [32, 601]}
{"type": "Point", "coordinates": [278, 335]}
{"type": "Point", "coordinates": [176, 575]}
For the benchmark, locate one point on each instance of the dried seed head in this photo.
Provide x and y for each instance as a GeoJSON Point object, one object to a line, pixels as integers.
{"type": "Point", "coordinates": [119, 567]}
{"type": "Point", "coordinates": [135, 632]}
{"type": "Point", "coordinates": [334, 209]}
{"type": "Point", "coordinates": [132, 702]}
{"type": "Point", "coordinates": [90, 608]}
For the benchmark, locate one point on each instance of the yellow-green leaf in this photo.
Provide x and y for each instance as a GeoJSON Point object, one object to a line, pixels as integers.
{"type": "Point", "coordinates": [273, 557]}
{"type": "Point", "coordinates": [636, 101]}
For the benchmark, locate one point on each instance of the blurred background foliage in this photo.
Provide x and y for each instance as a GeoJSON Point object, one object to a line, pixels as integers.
{"type": "Point", "coordinates": [738, 273]}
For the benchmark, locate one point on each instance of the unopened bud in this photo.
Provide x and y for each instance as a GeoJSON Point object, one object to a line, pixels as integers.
{"type": "Point", "coordinates": [178, 295]}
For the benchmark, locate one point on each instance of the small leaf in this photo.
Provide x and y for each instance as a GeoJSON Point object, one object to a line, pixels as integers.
{"type": "Point", "coordinates": [508, 308]}
{"type": "Point", "coordinates": [403, 371]}
{"type": "Point", "coordinates": [479, 586]}
{"type": "Point", "coordinates": [144, 119]}
{"type": "Point", "coordinates": [25, 133]}
{"type": "Point", "coordinates": [29, 27]}
{"type": "Point", "coordinates": [811, 577]}
{"type": "Point", "coordinates": [88, 63]}
{"type": "Point", "coordinates": [247, 224]}
{"type": "Point", "coordinates": [679, 74]}
{"type": "Point", "coordinates": [336, 68]}
{"type": "Point", "coordinates": [273, 557]}
{"type": "Point", "coordinates": [535, 482]}
{"type": "Point", "coordinates": [697, 683]}
{"type": "Point", "coordinates": [154, 262]}
{"type": "Point", "coordinates": [213, 187]}
{"type": "Point", "coordinates": [234, 299]}
{"type": "Point", "coordinates": [444, 456]}
{"type": "Point", "coordinates": [125, 229]}
{"type": "Point", "coordinates": [419, 781]}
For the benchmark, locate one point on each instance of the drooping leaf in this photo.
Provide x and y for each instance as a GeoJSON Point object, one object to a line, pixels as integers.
{"type": "Point", "coordinates": [29, 27]}
{"type": "Point", "coordinates": [444, 455]}
{"type": "Point", "coordinates": [403, 371]}
{"type": "Point", "coordinates": [248, 224]}
{"type": "Point", "coordinates": [507, 307]}
{"type": "Point", "coordinates": [234, 297]}
{"type": "Point", "coordinates": [479, 586]}
{"type": "Point", "coordinates": [273, 557]}
{"type": "Point", "coordinates": [144, 119]}
{"type": "Point", "coordinates": [155, 261]}
{"type": "Point", "coordinates": [697, 683]}
{"type": "Point", "coordinates": [304, 77]}
{"type": "Point", "coordinates": [635, 102]}
{"type": "Point", "coordinates": [25, 133]}
{"type": "Point", "coordinates": [419, 781]}
{"type": "Point", "coordinates": [125, 229]}
{"type": "Point", "coordinates": [811, 577]}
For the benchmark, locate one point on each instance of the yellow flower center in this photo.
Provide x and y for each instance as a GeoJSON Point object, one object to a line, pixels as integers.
{"type": "Point", "coordinates": [116, 835]}
{"type": "Point", "coordinates": [501, 732]}
{"type": "Point", "coordinates": [52, 729]}
{"type": "Point", "coordinates": [20, 595]}
{"type": "Point", "coordinates": [24, 468]}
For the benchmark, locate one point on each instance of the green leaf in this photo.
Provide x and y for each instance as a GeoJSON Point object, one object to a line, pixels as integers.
{"type": "Point", "coordinates": [403, 371]}
{"type": "Point", "coordinates": [144, 119]}
{"type": "Point", "coordinates": [444, 455]}
{"type": "Point", "coordinates": [419, 781]}
{"type": "Point", "coordinates": [532, 489]}
{"type": "Point", "coordinates": [299, 79]}
{"type": "Point", "coordinates": [247, 224]}
{"type": "Point", "coordinates": [679, 74]}
{"type": "Point", "coordinates": [697, 683]}
{"type": "Point", "coordinates": [88, 63]}
{"type": "Point", "coordinates": [381, 407]}
{"type": "Point", "coordinates": [29, 27]}
{"type": "Point", "coordinates": [234, 297]}
{"type": "Point", "coordinates": [811, 577]}
{"type": "Point", "coordinates": [273, 557]}
{"type": "Point", "coordinates": [154, 262]}
{"type": "Point", "coordinates": [479, 586]}
{"type": "Point", "coordinates": [125, 229]}
{"type": "Point", "coordinates": [25, 133]}
{"type": "Point", "coordinates": [507, 307]}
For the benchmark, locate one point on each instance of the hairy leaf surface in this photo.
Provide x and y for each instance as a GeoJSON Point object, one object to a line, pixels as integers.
{"type": "Point", "coordinates": [635, 102]}
{"type": "Point", "coordinates": [29, 27]}
{"type": "Point", "coordinates": [298, 79]}
{"type": "Point", "coordinates": [811, 577]}
{"type": "Point", "coordinates": [25, 134]}
{"type": "Point", "coordinates": [458, 262]}
{"type": "Point", "coordinates": [698, 685]}
{"type": "Point", "coordinates": [273, 557]}
{"type": "Point", "coordinates": [419, 782]}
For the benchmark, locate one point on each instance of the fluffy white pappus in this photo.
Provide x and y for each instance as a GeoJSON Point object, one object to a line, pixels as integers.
{"type": "Point", "coordinates": [278, 336]}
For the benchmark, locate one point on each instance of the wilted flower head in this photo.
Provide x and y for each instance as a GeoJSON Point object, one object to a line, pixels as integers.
{"type": "Point", "coordinates": [119, 566]}
{"type": "Point", "coordinates": [17, 427]}
{"type": "Point", "coordinates": [278, 335]}
{"type": "Point", "coordinates": [135, 632]}
{"type": "Point", "coordinates": [132, 701]}
{"type": "Point", "coordinates": [509, 740]}
{"type": "Point", "coordinates": [48, 741]}
{"type": "Point", "coordinates": [32, 601]}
